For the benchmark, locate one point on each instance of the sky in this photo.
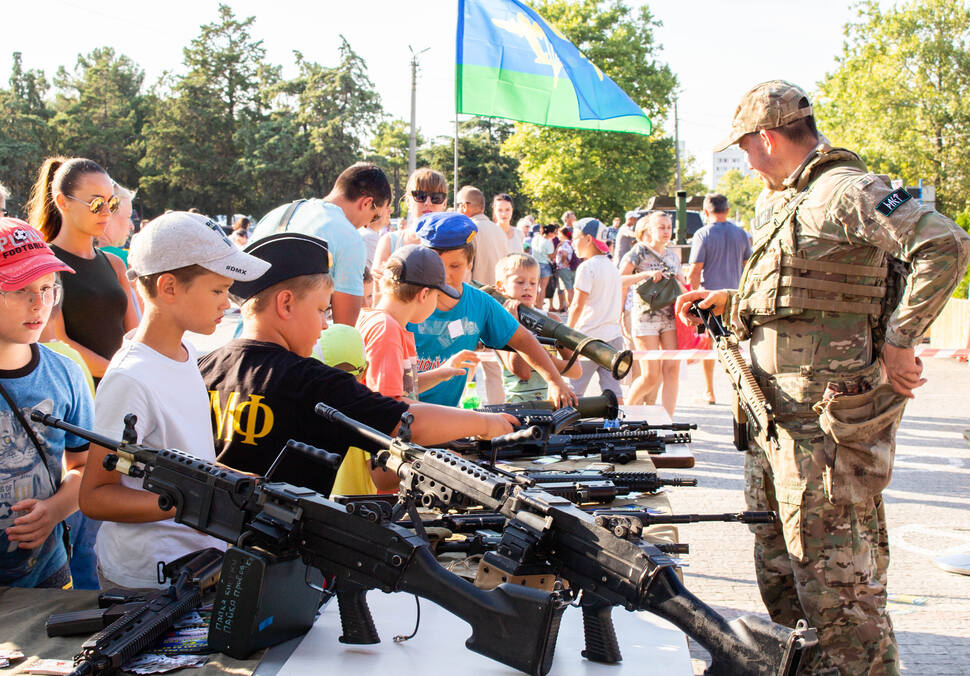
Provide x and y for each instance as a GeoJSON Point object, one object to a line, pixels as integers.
{"type": "Point", "coordinates": [717, 48]}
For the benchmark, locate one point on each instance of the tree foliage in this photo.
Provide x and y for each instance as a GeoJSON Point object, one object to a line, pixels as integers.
{"type": "Point", "coordinates": [100, 112]}
{"type": "Point", "coordinates": [481, 160]}
{"type": "Point", "coordinates": [194, 141]}
{"type": "Point", "coordinates": [899, 94]}
{"type": "Point", "coordinates": [26, 137]}
{"type": "Point", "coordinates": [742, 193]}
{"type": "Point", "coordinates": [596, 173]}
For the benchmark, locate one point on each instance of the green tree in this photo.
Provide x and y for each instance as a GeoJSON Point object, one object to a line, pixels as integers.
{"type": "Point", "coordinates": [193, 144]}
{"type": "Point", "coordinates": [691, 179]}
{"type": "Point", "coordinates": [742, 193]}
{"type": "Point", "coordinates": [481, 161]}
{"type": "Point", "coordinates": [25, 135]}
{"type": "Point", "coordinates": [100, 112]}
{"type": "Point", "coordinates": [900, 95]}
{"type": "Point", "coordinates": [334, 108]}
{"type": "Point", "coordinates": [599, 173]}
{"type": "Point", "coordinates": [389, 150]}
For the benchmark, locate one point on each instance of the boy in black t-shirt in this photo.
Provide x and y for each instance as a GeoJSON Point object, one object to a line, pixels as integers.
{"type": "Point", "coordinates": [264, 385]}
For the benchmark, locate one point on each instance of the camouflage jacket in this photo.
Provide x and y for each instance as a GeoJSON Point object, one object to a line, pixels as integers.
{"type": "Point", "coordinates": [836, 213]}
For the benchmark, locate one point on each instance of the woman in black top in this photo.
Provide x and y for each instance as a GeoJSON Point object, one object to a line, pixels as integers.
{"type": "Point", "coordinates": [70, 204]}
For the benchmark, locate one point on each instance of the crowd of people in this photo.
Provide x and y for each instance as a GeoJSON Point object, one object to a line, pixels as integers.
{"type": "Point", "coordinates": [337, 307]}
{"type": "Point", "coordinates": [95, 317]}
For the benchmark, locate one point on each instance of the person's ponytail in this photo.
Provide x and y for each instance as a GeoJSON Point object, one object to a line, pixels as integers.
{"type": "Point", "coordinates": [42, 213]}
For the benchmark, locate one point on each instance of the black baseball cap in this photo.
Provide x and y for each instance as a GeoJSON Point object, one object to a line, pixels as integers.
{"type": "Point", "coordinates": [421, 266]}
{"type": "Point", "coordinates": [290, 254]}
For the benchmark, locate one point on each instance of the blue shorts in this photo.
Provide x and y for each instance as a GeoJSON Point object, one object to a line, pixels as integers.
{"type": "Point", "coordinates": [545, 270]}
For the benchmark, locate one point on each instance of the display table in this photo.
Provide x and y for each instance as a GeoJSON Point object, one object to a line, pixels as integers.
{"type": "Point", "coordinates": [439, 646]}
{"type": "Point", "coordinates": [23, 613]}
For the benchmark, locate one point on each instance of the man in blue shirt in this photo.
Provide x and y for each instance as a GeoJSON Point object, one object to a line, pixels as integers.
{"type": "Point", "coordinates": [361, 195]}
{"type": "Point", "coordinates": [717, 256]}
{"type": "Point", "coordinates": [458, 325]}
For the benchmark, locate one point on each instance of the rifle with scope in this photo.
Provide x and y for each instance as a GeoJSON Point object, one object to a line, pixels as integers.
{"type": "Point", "coordinates": [547, 537]}
{"type": "Point", "coordinates": [356, 552]}
{"type": "Point", "coordinates": [550, 435]}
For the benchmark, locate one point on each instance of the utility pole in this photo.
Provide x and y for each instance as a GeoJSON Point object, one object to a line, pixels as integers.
{"type": "Point", "coordinates": [676, 140]}
{"type": "Point", "coordinates": [413, 140]}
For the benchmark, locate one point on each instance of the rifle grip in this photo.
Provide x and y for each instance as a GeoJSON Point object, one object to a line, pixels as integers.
{"type": "Point", "coordinates": [600, 635]}
{"type": "Point", "coordinates": [355, 618]}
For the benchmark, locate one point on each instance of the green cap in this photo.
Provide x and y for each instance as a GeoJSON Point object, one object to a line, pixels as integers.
{"type": "Point", "coordinates": [341, 347]}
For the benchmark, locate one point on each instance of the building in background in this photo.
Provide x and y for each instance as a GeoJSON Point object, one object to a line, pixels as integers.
{"type": "Point", "coordinates": [730, 158]}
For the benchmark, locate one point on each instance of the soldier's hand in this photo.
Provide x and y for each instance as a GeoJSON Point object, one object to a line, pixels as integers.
{"type": "Point", "coordinates": [713, 300]}
{"type": "Point", "coordinates": [903, 369]}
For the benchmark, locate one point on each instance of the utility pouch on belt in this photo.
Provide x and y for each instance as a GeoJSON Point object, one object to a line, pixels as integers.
{"type": "Point", "coordinates": [860, 442]}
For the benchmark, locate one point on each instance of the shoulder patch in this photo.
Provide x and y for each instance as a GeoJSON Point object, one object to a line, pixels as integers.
{"type": "Point", "coordinates": [893, 201]}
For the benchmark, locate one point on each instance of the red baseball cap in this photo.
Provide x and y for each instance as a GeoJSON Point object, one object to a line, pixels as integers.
{"type": "Point", "coordinates": [24, 256]}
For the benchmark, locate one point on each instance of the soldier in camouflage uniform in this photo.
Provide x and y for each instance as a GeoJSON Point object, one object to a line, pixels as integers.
{"type": "Point", "coordinates": [832, 349]}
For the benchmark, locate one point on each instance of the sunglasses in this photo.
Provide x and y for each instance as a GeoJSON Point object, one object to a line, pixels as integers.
{"type": "Point", "coordinates": [422, 196]}
{"type": "Point", "coordinates": [98, 203]}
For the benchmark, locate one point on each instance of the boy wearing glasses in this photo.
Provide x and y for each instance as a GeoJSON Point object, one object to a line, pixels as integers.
{"type": "Point", "coordinates": [360, 196]}
{"type": "Point", "coordinates": [40, 467]}
{"type": "Point", "coordinates": [263, 387]}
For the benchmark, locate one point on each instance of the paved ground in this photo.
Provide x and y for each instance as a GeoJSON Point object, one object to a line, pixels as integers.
{"type": "Point", "coordinates": [927, 505]}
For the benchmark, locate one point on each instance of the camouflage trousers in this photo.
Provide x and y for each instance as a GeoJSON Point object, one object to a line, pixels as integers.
{"type": "Point", "coordinates": [821, 562]}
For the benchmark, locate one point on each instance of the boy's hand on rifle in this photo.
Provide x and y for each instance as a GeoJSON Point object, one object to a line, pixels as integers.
{"type": "Point", "coordinates": [497, 424]}
{"type": "Point", "coordinates": [33, 528]}
{"type": "Point", "coordinates": [713, 300]}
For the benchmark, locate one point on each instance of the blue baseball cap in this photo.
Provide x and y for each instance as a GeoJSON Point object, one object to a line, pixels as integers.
{"type": "Point", "coordinates": [591, 227]}
{"type": "Point", "coordinates": [446, 230]}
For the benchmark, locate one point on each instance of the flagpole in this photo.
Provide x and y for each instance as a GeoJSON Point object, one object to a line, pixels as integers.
{"type": "Point", "coordinates": [455, 183]}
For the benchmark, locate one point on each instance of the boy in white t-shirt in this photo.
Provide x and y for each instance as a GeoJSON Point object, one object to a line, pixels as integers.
{"type": "Point", "coordinates": [184, 265]}
{"type": "Point", "coordinates": [597, 303]}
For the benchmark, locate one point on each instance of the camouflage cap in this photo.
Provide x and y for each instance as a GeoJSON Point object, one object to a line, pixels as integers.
{"type": "Point", "coordinates": [769, 105]}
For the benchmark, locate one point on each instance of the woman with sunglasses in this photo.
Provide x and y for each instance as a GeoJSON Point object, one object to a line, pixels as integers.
{"type": "Point", "coordinates": [425, 192]}
{"type": "Point", "coordinates": [70, 204]}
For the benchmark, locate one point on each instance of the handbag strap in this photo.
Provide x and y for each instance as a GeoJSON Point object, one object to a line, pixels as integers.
{"type": "Point", "coordinates": [666, 267]}
{"type": "Point", "coordinates": [66, 533]}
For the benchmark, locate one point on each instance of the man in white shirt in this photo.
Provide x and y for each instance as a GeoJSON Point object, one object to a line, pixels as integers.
{"type": "Point", "coordinates": [491, 244]}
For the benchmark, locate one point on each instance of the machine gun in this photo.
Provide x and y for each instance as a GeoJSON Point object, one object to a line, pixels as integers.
{"type": "Point", "coordinates": [750, 403]}
{"type": "Point", "coordinates": [604, 405]}
{"type": "Point", "coordinates": [353, 552]}
{"type": "Point", "coordinates": [144, 621]}
{"type": "Point", "coordinates": [617, 447]}
{"type": "Point", "coordinates": [549, 536]}
{"type": "Point", "coordinates": [594, 349]}
{"type": "Point", "coordinates": [601, 487]}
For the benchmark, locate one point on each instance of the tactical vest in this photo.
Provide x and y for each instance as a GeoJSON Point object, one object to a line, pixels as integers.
{"type": "Point", "coordinates": [782, 279]}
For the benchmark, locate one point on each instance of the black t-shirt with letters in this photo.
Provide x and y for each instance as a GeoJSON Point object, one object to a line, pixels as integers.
{"type": "Point", "coordinates": [261, 395]}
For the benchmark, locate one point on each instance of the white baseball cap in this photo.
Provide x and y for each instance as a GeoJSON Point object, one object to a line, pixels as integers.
{"type": "Point", "coordinates": [179, 239]}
